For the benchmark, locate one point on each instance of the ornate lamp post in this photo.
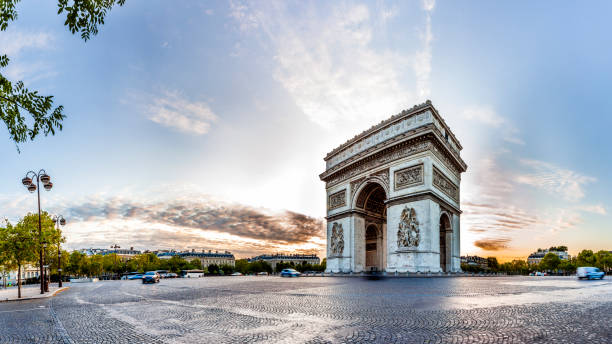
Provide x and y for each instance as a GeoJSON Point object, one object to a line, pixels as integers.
{"type": "Point", "coordinates": [59, 220]}
{"type": "Point", "coordinates": [43, 177]}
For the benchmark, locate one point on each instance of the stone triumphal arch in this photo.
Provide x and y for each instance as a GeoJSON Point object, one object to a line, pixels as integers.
{"type": "Point", "coordinates": [393, 196]}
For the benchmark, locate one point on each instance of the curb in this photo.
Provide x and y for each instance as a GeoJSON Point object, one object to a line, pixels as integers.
{"type": "Point", "coordinates": [38, 297]}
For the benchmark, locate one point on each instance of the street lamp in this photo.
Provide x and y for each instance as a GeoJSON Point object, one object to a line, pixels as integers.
{"type": "Point", "coordinates": [43, 177]}
{"type": "Point", "coordinates": [59, 220]}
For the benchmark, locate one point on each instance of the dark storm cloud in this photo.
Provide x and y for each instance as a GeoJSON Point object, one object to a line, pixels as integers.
{"type": "Point", "coordinates": [244, 221]}
{"type": "Point", "coordinates": [492, 244]}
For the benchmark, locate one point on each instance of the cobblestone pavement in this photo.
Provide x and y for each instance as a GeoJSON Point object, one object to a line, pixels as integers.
{"type": "Point", "coordinates": [318, 310]}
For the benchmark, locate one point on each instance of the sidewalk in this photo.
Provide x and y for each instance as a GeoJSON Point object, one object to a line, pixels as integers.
{"type": "Point", "coordinates": [29, 292]}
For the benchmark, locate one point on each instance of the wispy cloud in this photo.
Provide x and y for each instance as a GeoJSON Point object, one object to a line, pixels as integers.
{"type": "Point", "coordinates": [13, 42]}
{"type": "Point", "coordinates": [172, 110]}
{"type": "Point", "coordinates": [422, 61]}
{"type": "Point", "coordinates": [555, 180]}
{"type": "Point", "coordinates": [325, 62]}
{"type": "Point", "coordinates": [488, 116]}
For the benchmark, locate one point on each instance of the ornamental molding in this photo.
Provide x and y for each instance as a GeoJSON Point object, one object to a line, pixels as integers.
{"type": "Point", "coordinates": [409, 176]}
{"type": "Point", "coordinates": [408, 233]}
{"type": "Point", "coordinates": [355, 184]}
{"type": "Point", "coordinates": [379, 135]}
{"type": "Point", "coordinates": [383, 175]}
{"type": "Point", "coordinates": [337, 239]}
{"type": "Point", "coordinates": [336, 200]}
{"type": "Point", "coordinates": [442, 183]}
{"type": "Point", "coordinates": [394, 153]}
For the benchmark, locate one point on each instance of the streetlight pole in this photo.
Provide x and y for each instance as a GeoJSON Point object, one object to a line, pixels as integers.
{"type": "Point", "coordinates": [41, 176]}
{"type": "Point", "coordinates": [46, 284]}
{"type": "Point", "coordinates": [59, 220]}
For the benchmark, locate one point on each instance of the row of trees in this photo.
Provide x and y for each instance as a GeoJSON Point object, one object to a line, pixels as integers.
{"type": "Point", "coordinates": [79, 264]}
{"type": "Point", "coordinates": [20, 244]}
{"type": "Point", "coordinates": [551, 262]}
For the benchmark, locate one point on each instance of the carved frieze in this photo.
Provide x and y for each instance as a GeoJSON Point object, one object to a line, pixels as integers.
{"type": "Point", "coordinates": [380, 136]}
{"type": "Point", "coordinates": [445, 185]}
{"type": "Point", "coordinates": [384, 175]}
{"type": "Point", "coordinates": [337, 200]}
{"type": "Point", "coordinates": [408, 233]}
{"type": "Point", "coordinates": [354, 186]}
{"type": "Point", "coordinates": [337, 240]}
{"type": "Point", "coordinates": [394, 154]}
{"type": "Point", "coordinates": [407, 177]}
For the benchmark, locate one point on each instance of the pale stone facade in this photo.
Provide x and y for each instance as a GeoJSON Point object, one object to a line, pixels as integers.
{"type": "Point", "coordinates": [393, 197]}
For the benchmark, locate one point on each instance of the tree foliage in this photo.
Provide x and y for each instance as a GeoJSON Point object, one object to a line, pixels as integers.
{"type": "Point", "coordinates": [16, 100]}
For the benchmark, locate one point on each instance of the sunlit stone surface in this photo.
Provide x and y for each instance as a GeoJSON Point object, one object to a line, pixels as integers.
{"type": "Point", "coordinates": [393, 197]}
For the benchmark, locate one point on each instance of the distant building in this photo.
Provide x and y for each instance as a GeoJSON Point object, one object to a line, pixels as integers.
{"type": "Point", "coordinates": [475, 261]}
{"type": "Point", "coordinates": [27, 271]}
{"type": "Point", "coordinates": [122, 253]}
{"type": "Point", "coordinates": [536, 257]}
{"type": "Point", "coordinates": [206, 258]}
{"type": "Point", "coordinates": [274, 259]}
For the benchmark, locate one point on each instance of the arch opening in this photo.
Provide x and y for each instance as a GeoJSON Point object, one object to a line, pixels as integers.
{"type": "Point", "coordinates": [445, 229]}
{"type": "Point", "coordinates": [371, 203]}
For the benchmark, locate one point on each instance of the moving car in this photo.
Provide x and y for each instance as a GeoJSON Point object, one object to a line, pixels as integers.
{"type": "Point", "coordinates": [263, 273]}
{"type": "Point", "coordinates": [150, 277]}
{"type": "Point", "coordinates": [236, 274]}
{"type": "Point", "coordinates": [135, 276]}
{"type": "Point", "coordinates": [589, 272]}
{"type": "Point", "coordinates": [171, 275]}
{"type": "Point", "coordinates": [290, 273]}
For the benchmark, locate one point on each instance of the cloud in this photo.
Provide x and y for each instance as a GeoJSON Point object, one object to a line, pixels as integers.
{"type": "Point", "coordinates": [555, 180]}
{"type": "Point", "coordinates": [325, 61]}
{"type": "Point", "coordinates": [492, 244]}
{"type": "Point", "coordinates": [13, 42]}
{"type": "Point", "coordinates": [284, 227]}
{"type": "Point", "coordinates": [172, 110]}
{"type": "Point", "coordinates": [422, 61]}
{"type": "Point", "coordinates": [595, 209]}
{"type": "Point", "coordinates": [488, 116]}
{"type": "Point", "coordinates": [484, 114]}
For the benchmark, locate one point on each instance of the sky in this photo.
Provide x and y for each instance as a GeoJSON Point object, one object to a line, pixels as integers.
{"type": "Point", "coordinates": [204, 125]}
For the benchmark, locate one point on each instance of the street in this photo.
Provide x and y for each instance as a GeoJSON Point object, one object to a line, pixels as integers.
{"type": "Point", "coordinates": [318, 310]}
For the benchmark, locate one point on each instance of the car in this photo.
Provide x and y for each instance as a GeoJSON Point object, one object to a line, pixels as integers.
{"type": "Point", "coordinates": [290, 273]}
{"type": "Point", "coordinates": [151, 277]}
{"type": "Point", "coordinates": [263, 273]}
{"type": "Point", "coordinates": [134, 277]}
{"type": "Point", "coordinates": [236, 274]}
{"type": "Point", "coordinates": [171, 275]}
{"type": "Point", "coordinates": [589, 272]}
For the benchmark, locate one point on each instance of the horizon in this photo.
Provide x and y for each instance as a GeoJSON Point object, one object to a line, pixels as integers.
{"type": "Point", "coordinates": [204, 126]}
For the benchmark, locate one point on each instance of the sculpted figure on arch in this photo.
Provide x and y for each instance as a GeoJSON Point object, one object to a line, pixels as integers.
{"type": "Point", "coordinates": [337, 239]}
{"type": "Point", "coordinates": [408, 233]}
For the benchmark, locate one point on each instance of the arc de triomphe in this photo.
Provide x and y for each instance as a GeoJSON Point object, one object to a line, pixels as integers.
{"type": "Point", "coordinates": [393, 196]}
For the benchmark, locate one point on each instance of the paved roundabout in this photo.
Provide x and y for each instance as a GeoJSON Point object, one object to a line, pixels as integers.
{"type": "Point", "coordinates": [318, 310]}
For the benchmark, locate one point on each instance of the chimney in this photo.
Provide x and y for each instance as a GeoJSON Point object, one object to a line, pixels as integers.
{"type": "Point", "coordinates": [131, 248]}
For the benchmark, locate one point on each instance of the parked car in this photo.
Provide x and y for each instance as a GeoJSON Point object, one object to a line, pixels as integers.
{"type": "Point", "coordinates": [263, 273]}
{"type": "Point", "coordinates": [589, 272]}
{"type": "Point", "coordinates": [236, 274]}
{"type": "Point", "coordinates": [171, 275]}
{"type": "Point", "coordinates": [134, 277]}
{"type": "Point", "coordinates": [290, 273]}
{"type": "Point", "coordinates": [151, 277]}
